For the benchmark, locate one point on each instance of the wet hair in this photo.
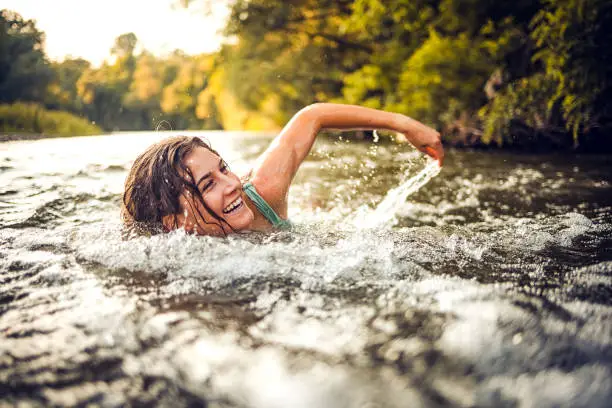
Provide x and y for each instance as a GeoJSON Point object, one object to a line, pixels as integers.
{"type": "Point", "coordinates": [154, 184]}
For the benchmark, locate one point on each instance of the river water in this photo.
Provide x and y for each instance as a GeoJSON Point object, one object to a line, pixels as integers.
{"type": "Point", "coordinates": [488, 284]}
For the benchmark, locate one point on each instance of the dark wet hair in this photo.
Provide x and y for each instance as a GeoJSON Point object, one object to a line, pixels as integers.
{"type": "Point", "coordinates": [156, 181]}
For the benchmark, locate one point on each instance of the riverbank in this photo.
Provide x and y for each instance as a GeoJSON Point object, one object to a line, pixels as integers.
{"type": "Point", "coordinates": [33, 121]}
{"type": "Point", "coordinates": [10, 137]}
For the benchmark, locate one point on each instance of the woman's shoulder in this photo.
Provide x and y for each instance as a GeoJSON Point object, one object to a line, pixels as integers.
{"type": "Point", "coordinates": [271, 191]}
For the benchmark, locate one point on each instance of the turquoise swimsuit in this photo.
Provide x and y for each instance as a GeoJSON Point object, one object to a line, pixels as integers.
{"type": "Point", "coordinates": [264, 208]}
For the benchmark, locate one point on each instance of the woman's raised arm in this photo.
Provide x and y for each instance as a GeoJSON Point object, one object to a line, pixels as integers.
{"type": "Point", "coordinates": [276, 167]}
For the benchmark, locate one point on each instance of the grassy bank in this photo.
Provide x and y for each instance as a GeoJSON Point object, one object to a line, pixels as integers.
{"type": "Point", "coordinates": [33, 119]}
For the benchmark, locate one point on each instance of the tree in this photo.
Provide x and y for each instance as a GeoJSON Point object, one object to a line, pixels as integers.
{"type": "Point", "coordinates": [288, 55]}
{"type": "Point", "coordinates": [444, 78]}
{"type": "Point", "coordinates": [62, 93]}
{"type": "Point", "coordinates": [104, 90]}
{"type": "Point", "coordinates": [24, 69]}
{"type": "Point", "coordinates": [568, 99]}
{"type": "Point", "coordinates": [145, 89]}
{"type": "Point", "coordinates": [573, 38]}
{"type": "Point", "coordinates": [125, 45]}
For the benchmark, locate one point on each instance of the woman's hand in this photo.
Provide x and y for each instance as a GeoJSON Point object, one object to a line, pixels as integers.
{"type": "Point", "coordinates": [422, 137]}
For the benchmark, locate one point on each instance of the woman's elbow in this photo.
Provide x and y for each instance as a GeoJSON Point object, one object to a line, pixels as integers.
{"type": "Point", "coordinates": [319, 113]}
{"type": "Point", "coordinates": [312, 111]}
{"type": "Point", "coordinates": [310, 117]}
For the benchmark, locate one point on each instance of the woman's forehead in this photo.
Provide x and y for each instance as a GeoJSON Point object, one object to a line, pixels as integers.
{"type": "Point", "coordinates": [201, 161]}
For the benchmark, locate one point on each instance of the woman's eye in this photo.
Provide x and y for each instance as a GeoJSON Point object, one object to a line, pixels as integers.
{"type": "Point", "coordinates": [224, 168]}
{"type": "Point", "coordinates": [207, 186]}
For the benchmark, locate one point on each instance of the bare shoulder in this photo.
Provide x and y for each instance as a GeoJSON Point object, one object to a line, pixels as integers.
{"type": "Point", "coordinates": [272, 190]}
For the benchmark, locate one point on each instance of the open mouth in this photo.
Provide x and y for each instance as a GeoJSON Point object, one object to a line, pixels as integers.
{"type": "Point", "coordinates": [234, 206]}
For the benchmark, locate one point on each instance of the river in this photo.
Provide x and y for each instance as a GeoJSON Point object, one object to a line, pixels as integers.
{"type": "Point", "coordinates": [488, 284]}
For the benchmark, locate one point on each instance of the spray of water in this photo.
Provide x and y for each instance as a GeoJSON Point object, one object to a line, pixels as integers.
{"type": "Point", "coordinates": [385, 212]}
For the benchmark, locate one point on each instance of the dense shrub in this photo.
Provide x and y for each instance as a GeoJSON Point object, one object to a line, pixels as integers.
{"type": "Point", "coordinates": [32, 118]}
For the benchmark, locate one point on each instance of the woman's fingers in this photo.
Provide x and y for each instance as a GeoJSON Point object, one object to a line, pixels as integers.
{"type": "Point", "coordinates": [440, 152]}
{"type": "Point", "coordinates": [436, 152]}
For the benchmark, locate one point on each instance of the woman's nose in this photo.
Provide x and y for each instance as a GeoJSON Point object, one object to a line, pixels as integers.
{"type": "Point", "coordinates": [231, 183]}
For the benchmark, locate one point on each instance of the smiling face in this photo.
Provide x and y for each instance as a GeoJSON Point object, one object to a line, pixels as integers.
{"type": "Point", "coordinates": [221, 192]}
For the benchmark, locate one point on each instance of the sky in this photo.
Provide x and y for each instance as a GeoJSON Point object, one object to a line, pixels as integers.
{"type": "Point", "coordinates": [88, 28]}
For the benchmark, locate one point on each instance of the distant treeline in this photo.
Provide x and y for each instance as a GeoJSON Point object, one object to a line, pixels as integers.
{"type": "Point", "coordinates": [131, 92]}
{"type": "Point", "coordinates": [526, 73]}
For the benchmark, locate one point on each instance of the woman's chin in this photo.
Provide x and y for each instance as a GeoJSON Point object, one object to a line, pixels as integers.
{"type": "Point", "coordinates": [242, 220]}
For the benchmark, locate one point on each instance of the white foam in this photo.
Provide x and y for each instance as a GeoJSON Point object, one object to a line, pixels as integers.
{"type": "Point", "coordinates": [386, 211]}
{"type": "Point", "coordinates": [588, 386]}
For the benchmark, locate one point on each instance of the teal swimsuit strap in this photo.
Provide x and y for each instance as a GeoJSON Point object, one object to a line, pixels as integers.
{"type": "Point", "coordinates": [264, 208]}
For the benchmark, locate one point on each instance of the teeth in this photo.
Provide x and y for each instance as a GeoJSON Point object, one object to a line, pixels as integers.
{"type": "Point", "coordinates": [233, 205]}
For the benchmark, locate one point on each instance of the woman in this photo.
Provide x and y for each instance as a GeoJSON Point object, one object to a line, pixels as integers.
{"type": "Point", "coordinates": [181, 182]}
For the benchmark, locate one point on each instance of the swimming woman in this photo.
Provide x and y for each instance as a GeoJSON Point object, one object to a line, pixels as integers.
{"type": "Point", "coordinates": [181, 182]}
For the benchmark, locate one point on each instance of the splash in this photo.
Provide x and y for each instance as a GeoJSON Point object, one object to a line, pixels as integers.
{"type": "Point", "coordinates": [385, 212]}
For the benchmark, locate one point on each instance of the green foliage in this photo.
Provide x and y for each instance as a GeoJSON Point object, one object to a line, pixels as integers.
{"type": "Point", "coordinates": [427, 58]}
{"type": "Point", "coordinates": [365, 86]}
{"type": "Point", "coordinates": [573, 39]}
{"type": "Point", "coordinates": [519, 100]}
{"type": "Point", "coordinates": [33, 118]}
{"type": "Point", "coordinates": [180, 97]}
{"type": "Point", "coordinates": [444, 77]}
{"type": "Point", "coordinates": [290, 54]}
{"type": "Point", "coordinates": [131, 91]}
{"type": "Point", "coordinates": [62, 92]}
{"type": "Point", "coordinates": [24, 70]}
{"type": "Point", "coordinates": [572, 90]}
{"type": "Point", "coordinates": [102, 96]}
{"type": "Point", "coordinates": [395, 30]}
{"type": "Point", "coordinates": [485, 72]}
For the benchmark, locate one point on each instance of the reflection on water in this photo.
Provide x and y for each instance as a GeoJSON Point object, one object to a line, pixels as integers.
{"type": "Point", "coordinates": [489, 285]}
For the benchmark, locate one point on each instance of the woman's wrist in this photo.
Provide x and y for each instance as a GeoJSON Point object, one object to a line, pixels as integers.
{"type": "Point", "coordinates": [402, 123]}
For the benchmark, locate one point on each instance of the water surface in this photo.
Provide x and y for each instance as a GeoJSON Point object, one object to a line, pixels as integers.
{"type": "Point", "coordinates": [489, 285]}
